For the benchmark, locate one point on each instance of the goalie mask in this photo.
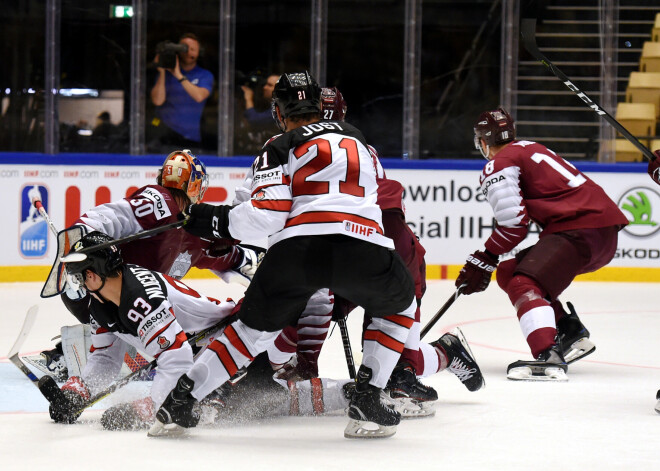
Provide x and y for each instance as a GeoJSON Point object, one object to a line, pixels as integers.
{"type": "Point", "coordinates": [333, 105]}
{"type": "Point", "coordinates": [183, 171]}
{"type": "Point", "coordinates": [294, 95]}
{"type": "Point", "coordinates": [495, 128]}
{"type": "Point", "coordinates": [103, 262]}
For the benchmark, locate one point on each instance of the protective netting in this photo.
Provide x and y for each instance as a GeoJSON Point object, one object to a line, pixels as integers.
{"type": "Point", "coordinates": [57, 279]}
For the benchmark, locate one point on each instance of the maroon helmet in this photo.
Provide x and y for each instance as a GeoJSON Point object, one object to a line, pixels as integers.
{"type": "Point", "coordinates": [495, 128]}
{"type": "Point", "coordinates": [333, 106]}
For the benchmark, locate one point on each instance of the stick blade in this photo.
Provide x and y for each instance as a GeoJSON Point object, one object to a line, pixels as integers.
{"type": "Point", "coordinates": [30, 318]}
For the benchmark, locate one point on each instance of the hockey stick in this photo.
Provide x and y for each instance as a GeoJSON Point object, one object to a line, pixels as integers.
{"type": "Point", "coordinates": [348, 351]}
{"type": "Point", "coordinates": [441, 312]}
{"type": "Point", "coordinates": [80, 255]}
{"type": "Point", "coordinates": [30, 318]}
{"type": "Point", "coordinates": [48, 385]}
{"type": "Point", "coordinates": [40, 207]}
{"type": "Point", "coordinates": [528, 33]}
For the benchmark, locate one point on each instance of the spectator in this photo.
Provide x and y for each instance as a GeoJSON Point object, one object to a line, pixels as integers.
{"type": "Point", "coordinates": [179, 97]}
{"type": "Point", "coordinates": [259, 120]}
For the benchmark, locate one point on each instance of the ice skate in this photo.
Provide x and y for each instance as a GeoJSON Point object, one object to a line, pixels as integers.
{"type": "Point", "coordinates": [408, 396]}
{"type": "Point", "coordinates": [461, 360]}
{"type": "Point", "coordinates": [178, 411]}
{"type": "Point", "coordinates": [574, 337]}
{"type": "Point", "coordinates": [548, 366]}
{"type": "Point", "coordinates": [657, 405]}
{"type": "Point", "coordinates": [370, 416]}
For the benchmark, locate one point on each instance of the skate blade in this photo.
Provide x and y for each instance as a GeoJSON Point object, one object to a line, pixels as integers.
{"type": "Point", "coordinates": [524, 373]}
{"type": "Point", "coordinates": [358, 429]}
{"type": "Point", "coordinates": [412, 409]}
{"type": "Point", "coordinates": [159, 429]}
{"type": "Point", "coordinates": [579, 349]}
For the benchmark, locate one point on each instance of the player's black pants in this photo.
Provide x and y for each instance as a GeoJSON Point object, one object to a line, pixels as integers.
{"type": "Point", "coordinates": [366, 274]}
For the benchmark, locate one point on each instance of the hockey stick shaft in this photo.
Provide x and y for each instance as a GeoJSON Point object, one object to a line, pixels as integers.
{"type": "Point", "coordinates": [139, 235]}
{"type": "Point", "coordinates": [49, 393]}
{"type": "Point", "coordinates": [30, 318]}
{"type": "Point", "coordinates": [528, 34]}
{"type": "Point", "coordinates": [348, 351]}
{"type": "Point", "coordinates": [40, 207]}
{"type": "Point", "coordinates": [440, 312]}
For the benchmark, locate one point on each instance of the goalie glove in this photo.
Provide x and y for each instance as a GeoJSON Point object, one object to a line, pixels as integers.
{"type": "Point", "coordinates": [477, 271]}
{"type": "Point", "coordinates": [654, 167]}
{"type": "Point", "coordinates": [75, 395]}
{"type": "Point", "coordinates": [245, 269]}
{"type": "Point", "coordinates": [208, 221]}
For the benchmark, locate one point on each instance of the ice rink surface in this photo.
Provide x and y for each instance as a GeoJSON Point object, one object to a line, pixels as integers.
{"type": "Point", "coordinates": [601, 419]}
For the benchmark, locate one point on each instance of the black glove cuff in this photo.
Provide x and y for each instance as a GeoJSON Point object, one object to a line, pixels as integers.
{"type": "Point", "coordinates": [496, 258]}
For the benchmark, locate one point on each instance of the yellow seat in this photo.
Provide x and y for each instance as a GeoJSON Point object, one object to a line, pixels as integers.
{"type": "Point", "coordinates": [655, 33]}
{"type": "Point", "coordinates": [644, 87]}
{"type": "Point", "coordinates": [638, 119]}
{"type": "Point", "coordinates": [625, 151]}
{"type": "Point", "coordinates": [655, 145]}
{"type": "Point", "coordinates": [650, 61]}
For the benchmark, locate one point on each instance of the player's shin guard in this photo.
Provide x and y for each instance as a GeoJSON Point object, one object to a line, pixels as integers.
{"type": "Point", "coordinates": [236, 347]}
{"type": "Point", "coordinates": [384, 340]}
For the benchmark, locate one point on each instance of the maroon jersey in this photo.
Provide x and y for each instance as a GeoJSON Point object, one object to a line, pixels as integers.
{"type": "Point", "coordinates": [526, 182]}
{"type": "Point", "coordinates": [171, 252]}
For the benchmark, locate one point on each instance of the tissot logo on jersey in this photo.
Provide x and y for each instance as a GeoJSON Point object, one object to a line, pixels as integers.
{"type": "Point", "coordinates": [153, 324]}
{"type": "Point", "coordinates": [267, 177]}
{"type": "Point", "coordinates": [151, 285]}
{"type": "Point", "coordinates": [161, 210]}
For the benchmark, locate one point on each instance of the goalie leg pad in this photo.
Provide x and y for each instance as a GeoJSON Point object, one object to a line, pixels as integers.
{"type": "Point", "coordinates": [76, 342]}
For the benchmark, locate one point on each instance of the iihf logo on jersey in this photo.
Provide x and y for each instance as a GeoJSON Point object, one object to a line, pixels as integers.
{"type": "Point", "coordinates": [33, 228]}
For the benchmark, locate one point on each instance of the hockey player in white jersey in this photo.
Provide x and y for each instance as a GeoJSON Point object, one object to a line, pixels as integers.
{"type": "Point", "coordinates": [314, 195]}
{"type": "Point", "coordinates": [131, 305]}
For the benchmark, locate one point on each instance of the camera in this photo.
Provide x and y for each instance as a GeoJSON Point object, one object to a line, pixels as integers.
{"type": "Point", "coordinates": [256, 79]}
{"type": "Point", "coordinates": [167, 51]}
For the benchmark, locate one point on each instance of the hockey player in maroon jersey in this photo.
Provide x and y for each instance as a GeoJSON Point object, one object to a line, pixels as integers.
{"type": "Point", "coordinates": [314, 195]}
{"type": "Point", "coordinates": [526, 182]}
{"type": "Point", "coordinates": [654, 167]}
{"type": "Point", "coordinates": [181, 181]}
{"type": "Point", "coordinates": [451, 352]}
{"type": "Point", "coordinates": [131, 305]}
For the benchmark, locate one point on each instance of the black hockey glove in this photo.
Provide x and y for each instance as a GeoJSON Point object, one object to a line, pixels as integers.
{"type": "Point", "coordinates": [74, 396]}
{"type": "Point", "coordinates": [208, 221]}
{"type": "Point", "coordinates": [477, 271]}
{"type": "Point", "coordinates": [654, 167]}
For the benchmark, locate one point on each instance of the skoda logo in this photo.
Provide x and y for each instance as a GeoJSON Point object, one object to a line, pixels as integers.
{"type": "Point", "coordinates": [641, 206]}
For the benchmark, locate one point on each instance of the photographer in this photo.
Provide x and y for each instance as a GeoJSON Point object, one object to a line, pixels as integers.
{"type": "Point", "coordinates": [259, 119]}
{"type": "Point", "coordinates": [179, 94]}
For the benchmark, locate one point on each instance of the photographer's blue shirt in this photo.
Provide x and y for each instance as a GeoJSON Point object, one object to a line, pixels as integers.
{"type": "Point", "coordinates": [180, 112]}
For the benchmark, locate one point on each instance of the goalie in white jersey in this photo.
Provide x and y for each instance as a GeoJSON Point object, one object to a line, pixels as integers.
{"type": "Point", "coordinates": [314, 194]}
